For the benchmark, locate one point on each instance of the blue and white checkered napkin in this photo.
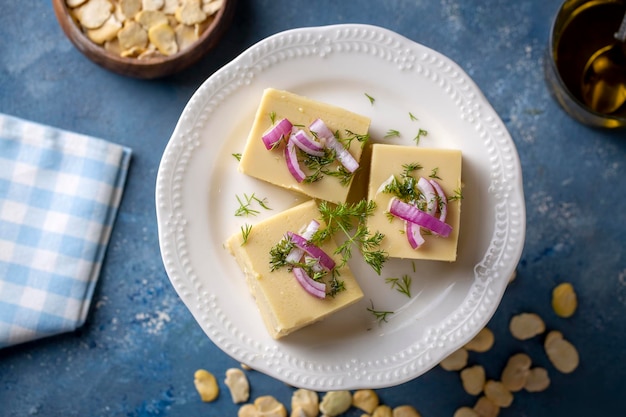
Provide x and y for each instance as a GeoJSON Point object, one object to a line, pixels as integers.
{"type": "Point", "coordinates": [59, 195]}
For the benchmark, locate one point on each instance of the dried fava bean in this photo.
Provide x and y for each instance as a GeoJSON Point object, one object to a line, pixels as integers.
{"type": "Point", "coordinates": [561, 353]}
{"type": "Point", "coordinates": [132, 35]}
{"type": "Point", "coordinates": [163, 37]}
{"type": "Point", "coordinates": [484, 407]}
{"type": "Point", "coordinates": [366, 400]}
{"type": "Point", "coordinates": [538, 380]}
{"type": "Point", "coordinates": [206, 385]}
{"type": "Point", "coordinates": [473, 379]}
{"type": "Point", "coordinates": [149, 18]}
{"type": "Point", "coordinates": [130, 7]}
{"type": "Point", "coordinates": [248, 410]}
{"type": "Point", "coordinates": [93, 13]}
{"type": "Point", "coordinates": [305, 400]}
{"type": "Point", "coordinates": [190, 12]}
{"type": "Point", "coordinates": [456, 361]}
{"type": "Point", "coordinates": [526, 325]}
{"type": "Point", "coordinates": [152, 4]}
{"type": "Point", "coordinates": [335, 403]}
{"type": "Point", "coordinates": [107, 32]}
{"type": "Point", "coordinates": [185, 36]}
{"type": "Point", "coordinates": [498, 393]}
{"type": "Point", "coordinates": [238, 385]}
{"type": "Point", "coordinates": [515, 373]}
{"type": "Point", "coordinates": [170, 6]}
{"type": "Point", "coordinates": [383, 411]}
{"type": "Point", "coordinates": [405, 411]}
{"type": "Point", "coordinates": [564, 301]}
{"type": "Point", "coordinates": [268, 406]}
{"type": "Point", "coordinates": [113, 46]}
{"type": "Point", "coordinates": [465, 412]}
{"type": "Point", "coordinates": [211, 7]}
{"type": "Point", "coordinates": [482, 342]}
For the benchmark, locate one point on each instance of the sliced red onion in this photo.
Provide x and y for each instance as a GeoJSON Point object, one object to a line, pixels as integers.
{"type": "Point", "coordinates": [428, 191]}
{"type": "Point", "coordinates": [410, 213]}
{"type": "Point", "coordinates": [443, 206]}
{"type": "Point", "coordinates": [326, 261]}
{"type": "Point", "coordinates": [292, 162]}
{"type": "Point", "coordinates": [296, 253]}
{"type": "Point", "coordinates": [280, 130]}
{"type": "Point", "coordinates": [309, 145]}
{"type": "Point", "coordinates": [320, 129]}
{"type": "Point", "coordinates": [343, 155]}
{"type": "Point", "coordinates": [413, 234]}
{"type": "Point", "coordinates": [315, 288]}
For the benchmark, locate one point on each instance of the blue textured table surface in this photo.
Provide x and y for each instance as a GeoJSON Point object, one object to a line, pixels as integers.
{"type": "Point", "coordinates": [137, 353]}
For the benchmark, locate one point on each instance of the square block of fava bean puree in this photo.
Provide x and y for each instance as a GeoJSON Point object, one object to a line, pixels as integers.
{"type": "Point", "coordinates": [282, 302]}
{"type": "Point", "coordinates": [440, 165]}
{"type": "Point", "coordinates": [270, 165]}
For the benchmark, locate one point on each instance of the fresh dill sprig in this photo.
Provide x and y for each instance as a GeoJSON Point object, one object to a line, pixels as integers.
{"type": "Point", "coordinates": [350, 136]}
{"type": "Point", "coordinates": [370, 98]}
{"type": "Point", "coordinates": [319, 166]}
{"type": "Point", "coordinates": [350, 219]}
{"type": "Point", "coordinates": [245, 205]}
{"type": "Point", "coordinates": [273, 117]}
{"type": "Point", "coordinates": [413, 118]}
{"type": "Point", "coordinates": [421, 133]}
{"type": "Point", "coordinates": [381, 315]}
{"type": "Point", "coordinates": [237, 156]}
{"type": "Point", "coordinates": [245, 233]}
{"type": "Point", "coordinates": [458, 195]}
{"type": "Point", "coordinates": [392, 133]}
{"type": "Point", "coordinates": [279, 253]}
{"type": "Point", "coordinates": [402, 285]}
{"type": "Point", "coordinates": [434, 173]}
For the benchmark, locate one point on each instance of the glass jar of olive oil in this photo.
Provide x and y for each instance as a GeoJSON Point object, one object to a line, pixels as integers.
{"type": "Point", "coordinates": [580, 30]}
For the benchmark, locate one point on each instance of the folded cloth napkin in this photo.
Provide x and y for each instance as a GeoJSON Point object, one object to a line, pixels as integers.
{"type": "Point", "coordinates": [59, 195]}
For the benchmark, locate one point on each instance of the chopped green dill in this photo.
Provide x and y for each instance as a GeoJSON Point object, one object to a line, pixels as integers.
{"type": "Point", "coordinates": [434, 174]}
{"type": "Point", "coordinates": [237, 156]}
{"type": "Point", "coordinates": [421, 133]}
{"type": "Point", "coordinates": [245, 232]}
{"type": "Point", "coordinates": [350, 136]}
{"type": "Point", "coordinates": [413, 118]}
{"type": "Point", "coordinates": [319, 166]}
{"type": "Point", "coordinates": [370, 98]}
{"type": "Point", "coordinates": [273, 117]}
{"type": "Point", "coordinates": [381, 315]}
{"type": "Point", "coordinates": [279, 253]}
{"type": "Point", "coordinates": [350, 219]}
{"type": "Point", "coordinates": [402, 285]}
{"type": "Point", "coordinates": [413, 264]}
{"type": "Point", "coordinates": [245, 205]}
{"type": "Point", "coordinates": [392, 133]}
{"type": "Point", "coordinates": [458, 195]}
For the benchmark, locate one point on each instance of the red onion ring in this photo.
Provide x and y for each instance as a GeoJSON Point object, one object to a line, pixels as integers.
{"type": "Point", "coordinates": [292, 162]}
{"type": "Point", "coordinates": [280, 130]}
{"type": "Point", "coordinates": [443, 206]}
{"type": "Point", "coordinates": [343, 155]}
{"type": "Point", "coordinates": [315, 288]}
{"type": "Point", "coordinates": [412, 214]}
{"type": "Point", "coordinates": [326, 261]}
{"type": "Point", "coordinates": [303, 141]}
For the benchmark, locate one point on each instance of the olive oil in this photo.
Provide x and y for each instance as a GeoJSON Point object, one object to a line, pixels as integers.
{"type": "Point", "coordinates": [590, 27]}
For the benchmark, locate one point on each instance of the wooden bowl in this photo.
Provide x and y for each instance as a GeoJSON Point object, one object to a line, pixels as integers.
{"type": "Point", "coordinates": [146, 68]}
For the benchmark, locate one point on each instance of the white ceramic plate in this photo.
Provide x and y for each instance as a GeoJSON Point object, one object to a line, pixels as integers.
{"type": "Point", "coordinates": [198, 183]}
